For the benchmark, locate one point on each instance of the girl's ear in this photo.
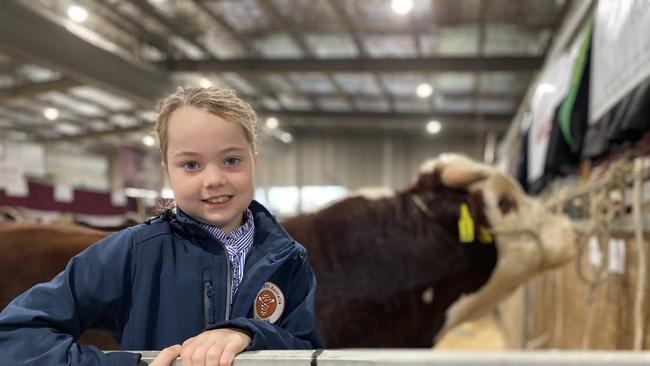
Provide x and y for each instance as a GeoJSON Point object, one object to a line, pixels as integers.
{"type": "Point", "coordinates": [164, 166]}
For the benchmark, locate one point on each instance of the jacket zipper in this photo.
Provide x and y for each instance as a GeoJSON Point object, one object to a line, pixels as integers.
{"type": "Point", "coordinates": [208, 303]}
{"type": "Point", "coordinates": [229, 286]}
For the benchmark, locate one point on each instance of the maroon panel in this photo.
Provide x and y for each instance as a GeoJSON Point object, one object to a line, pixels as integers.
{"type": "Point", "coordinates": [95, 203]}
{"type": "Point", "coordinates": [41, 197]}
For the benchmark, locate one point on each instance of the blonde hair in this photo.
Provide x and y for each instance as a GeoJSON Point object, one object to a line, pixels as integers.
{"type": "Point", "coordinates": [223, 103]}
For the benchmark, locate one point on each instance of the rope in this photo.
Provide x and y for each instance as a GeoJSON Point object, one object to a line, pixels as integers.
{"type": "Point", "coordinates": [544, 336]}
{"type": "Point", "coordinates": [639, 299]}
{"type": "Point", "coordinates": [558, 333]}
{"type": "Point", "coordinates": [606, 197]}
{"type": "Point", "coordinates": [605, 205]}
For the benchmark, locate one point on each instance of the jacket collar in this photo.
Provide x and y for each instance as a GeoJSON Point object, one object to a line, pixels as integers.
{"type": "Point", "coordinates": [271, 240]}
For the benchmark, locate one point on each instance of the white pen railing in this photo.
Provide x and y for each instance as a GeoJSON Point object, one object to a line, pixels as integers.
{"type": "Point", "coordinates": [386, 357]}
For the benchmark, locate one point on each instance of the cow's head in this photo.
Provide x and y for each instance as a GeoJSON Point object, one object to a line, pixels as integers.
{"type": "Point", "coordinates": [529, 238]}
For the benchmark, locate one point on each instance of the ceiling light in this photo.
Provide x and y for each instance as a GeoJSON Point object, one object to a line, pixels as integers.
{"type": "Point", "coordinates": [402, 6]}
{"type": "Point", "coordinates": [424, 90]}
{"type": "Point", "coordinates": [433, 127]}
{"type": "Point", "coordinates": [286, 137]}
{"type": "Point", "coordinates": [51, 113]}
{"type": "Point", "coordinates": [272, 122]}
{"type": "Point", "coordinates": [148, 140]}
{"type": "Point", "coordinates": [77, 14]}
{"type": "Point", "coordinates": [205, 83]}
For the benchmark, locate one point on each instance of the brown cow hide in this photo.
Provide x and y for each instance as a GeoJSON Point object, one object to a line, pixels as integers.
{"type": "Point", "coordinates": [374, 259]}
{"type": "Point", "coordinates": [44, 252]}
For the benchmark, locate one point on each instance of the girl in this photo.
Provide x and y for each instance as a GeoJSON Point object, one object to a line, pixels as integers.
{"type": "Point", "coordinates": [207, 279]}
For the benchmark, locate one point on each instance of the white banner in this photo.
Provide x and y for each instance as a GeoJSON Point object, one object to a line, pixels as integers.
{"type": "Point", "coordinates": [12, 179]}
{"type": "Point", "coordinates": [550, 91]}
{"type": "Point", "coordinates": [620, 52]}
{"type": "Point", "coordinates": [63, 193]}
{"type": "Point", "coordinates": [30, 157]}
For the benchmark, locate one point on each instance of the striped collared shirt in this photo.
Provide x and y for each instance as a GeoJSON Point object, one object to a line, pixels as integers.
{"type": "Point", "coordinates": [238, 244]}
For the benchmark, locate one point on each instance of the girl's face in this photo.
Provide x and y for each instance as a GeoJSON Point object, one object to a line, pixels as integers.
{"type": "Point", "coordinates": [210, 166]}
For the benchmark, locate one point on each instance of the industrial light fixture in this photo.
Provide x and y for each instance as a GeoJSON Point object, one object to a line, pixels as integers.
{"type": "Point", "coordinates": [424, 90]}
{"type": "Point", "coordinates": [286, 137]}
{"type": "Point", "coordinates": [272, 123]}
{"type": "Point", "coordinates": [77, 14]}
{"type": "Point", "coordinates": [51, 113]}
{"type": "Point", "coordinates": [433, 127]}
{"type": "Point", "coordinates": [205, 83]}
{"type": "Point", "coordinates": [148, 140]}
{"type": "Point", "coordinates": [402, 6]}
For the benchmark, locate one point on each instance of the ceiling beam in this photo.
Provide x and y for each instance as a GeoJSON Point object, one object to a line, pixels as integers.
{"type": "Point", "coordinates": [278, 19]}
{"type": "Point", "coordinates": [29, 34]}
{"type": "Point", "coordinates": [133, 27]}
{"type": "Point", "coordinates": [348, 24]}
{"type": "Point", "coordinates": [173, 25]}
{"type": "Point", "coordinates": [467, 127]}
{"type": "Point", "coordinates": [445, 96]}
{"type": "Point", "coordinates": [30, 90]}
{"type": "Point", "coordinates": [437, 64]}
{"type": "Point", "coordinates": [245, 43]}
{"type": "Point", "coordinates": [274, 15]}
{"type": "Point", "coordinates": [96, 134]}
{"type": "Point", "coordinates": [484, 13]}
{"type": "Point", "coordinates": [396, 117]}
{"type": "Point", "coordinates": [497, 122]}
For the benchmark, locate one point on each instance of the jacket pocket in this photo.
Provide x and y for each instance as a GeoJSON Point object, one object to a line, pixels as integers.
{"type": "Point", "coordinates": [208, 303]}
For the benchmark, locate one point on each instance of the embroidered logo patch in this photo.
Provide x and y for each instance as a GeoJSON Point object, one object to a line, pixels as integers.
{"type": "Point", "coordinates": [269, 303]}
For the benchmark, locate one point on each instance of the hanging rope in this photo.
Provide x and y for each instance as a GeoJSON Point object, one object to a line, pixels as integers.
{"type": "Point", "coordinates": [605, 205]}
{"type": "Point", "coordinates": [637, 200]}
{"type": "Point", "coordinates": [606, 192]}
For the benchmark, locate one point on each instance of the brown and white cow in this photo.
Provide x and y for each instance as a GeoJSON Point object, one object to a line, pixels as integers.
{"type": "Point", "coordinates": [395, 270]}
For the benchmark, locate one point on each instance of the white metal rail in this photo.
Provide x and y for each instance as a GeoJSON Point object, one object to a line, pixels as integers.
{"type": "Point", "coordinates": [386, 357]}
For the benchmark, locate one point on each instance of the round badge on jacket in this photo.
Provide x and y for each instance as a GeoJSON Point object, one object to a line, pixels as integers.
{"type": "Point", "coordinates": [269, 303]}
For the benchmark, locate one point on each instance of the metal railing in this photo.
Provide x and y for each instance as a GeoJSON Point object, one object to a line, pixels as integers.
{"type": "Point", "coordinates": [386, 357]}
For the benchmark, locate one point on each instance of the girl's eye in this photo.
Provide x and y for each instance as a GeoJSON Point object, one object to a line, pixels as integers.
{"type": "Point", "coordinates": [232, 161]}
{"type": "Point", "coordinates": [190, 165]}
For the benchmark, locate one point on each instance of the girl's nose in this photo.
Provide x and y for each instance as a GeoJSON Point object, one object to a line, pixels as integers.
{"type": "Point", "coordinates": [214, 177]}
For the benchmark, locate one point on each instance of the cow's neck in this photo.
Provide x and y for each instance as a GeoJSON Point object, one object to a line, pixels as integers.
{"type": "Point", "coordinates": [381, 255]}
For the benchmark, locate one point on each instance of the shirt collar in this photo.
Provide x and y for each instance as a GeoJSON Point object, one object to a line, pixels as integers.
{"type": "Point", "coordinates": [234, 238]}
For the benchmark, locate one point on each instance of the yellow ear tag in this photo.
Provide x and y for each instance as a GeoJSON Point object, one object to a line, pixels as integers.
{"type": "Point", "coordinates": [465, 225]}
{"type": "Point", "coordinates": [484, 235]}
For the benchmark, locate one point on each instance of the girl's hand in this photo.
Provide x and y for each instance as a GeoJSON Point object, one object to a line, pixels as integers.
{"type": "Point", "coordinates": [167, 356]}
{"type": "Point", "coordinates": [217, 347]}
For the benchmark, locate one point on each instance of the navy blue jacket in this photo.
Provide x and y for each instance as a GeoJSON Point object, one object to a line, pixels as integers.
{"type": "Point", "coordinates": [158, 284]}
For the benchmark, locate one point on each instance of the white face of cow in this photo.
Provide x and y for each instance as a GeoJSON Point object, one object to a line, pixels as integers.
{"type": "Point", "coordinates": [529, 238]}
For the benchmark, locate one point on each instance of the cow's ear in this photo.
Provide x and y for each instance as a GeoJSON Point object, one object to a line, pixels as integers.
{"type": "Point", "coordinates": [458, 177]}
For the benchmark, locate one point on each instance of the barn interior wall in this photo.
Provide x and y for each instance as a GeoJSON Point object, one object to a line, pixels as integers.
{"type": "Point", "coordinates": [78, 170]}
{"type": "Point", "coordinates": [351, 160]}
{"type": "Point", "coordinates": [57, 166]}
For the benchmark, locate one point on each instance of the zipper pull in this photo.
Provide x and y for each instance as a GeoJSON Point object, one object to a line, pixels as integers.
{"type": "Point", "coordinates": [208, 303]}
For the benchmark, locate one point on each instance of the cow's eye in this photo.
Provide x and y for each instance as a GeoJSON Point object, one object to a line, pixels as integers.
{"type": "Point", "coordinates": [507, 203]}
